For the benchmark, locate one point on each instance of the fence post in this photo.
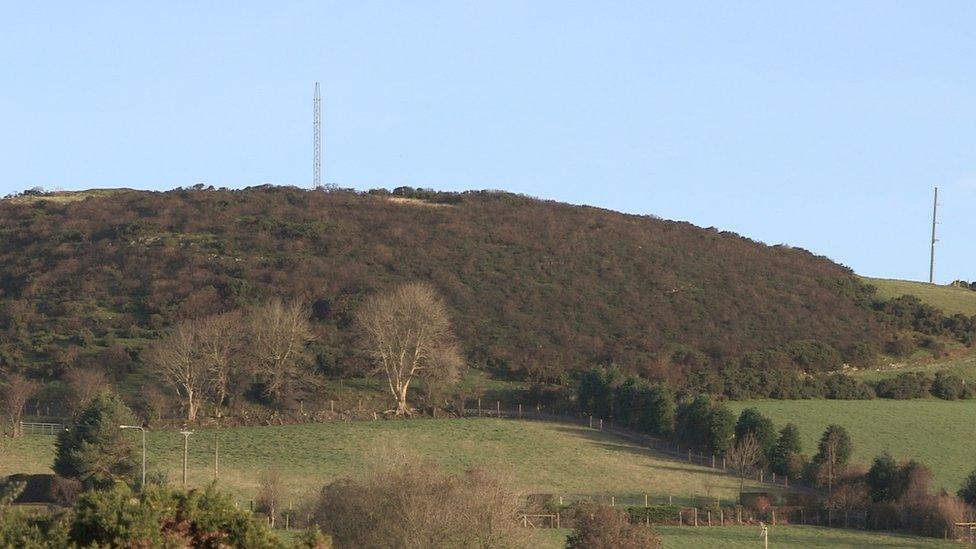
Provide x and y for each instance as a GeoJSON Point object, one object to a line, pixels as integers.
{"type": "Point", "coordinates": [498, 409]}
{"type": "Point", "coordinates": [645, 500]}
{"type": "Point", "coordinates": [601, 423]}
{"type": "Point", "coordinates": [696, 515]}
{"type": "Point", "coordinates": [689, 454]}
{"type": "Point", "coordinates": [721, 516]}
{"type": "Point", "coordinates": [760, 475]}
{"type": "Point", "coordinates": [591, 421]}
{"type": "Point", "coordinates": [613, 501]}
{"type": "Point", "coordinates": [709, 518]}
{"type": "Point", "coordinates": [774, 516]}
{"type": "Point", "coordinates": [479, 408]}
{"type": "Point", "coordinates": [520, 410]}
{"type": "Point", "coordinates": [713, 461]}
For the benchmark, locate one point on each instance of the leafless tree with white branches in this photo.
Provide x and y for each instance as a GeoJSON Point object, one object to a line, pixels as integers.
{"type": "Point", "coordinates": [176, 359]}
{"type": "Point", "coordinates": [407, 333]}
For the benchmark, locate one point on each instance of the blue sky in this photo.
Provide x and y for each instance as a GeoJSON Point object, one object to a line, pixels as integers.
{"type": "Point", "coordinates": [823, 125]}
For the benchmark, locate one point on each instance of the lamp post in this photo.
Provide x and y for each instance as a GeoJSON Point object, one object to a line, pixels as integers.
{"type": "Point", "coordinates": [143, 429]}
{"type": "Point", "coordinates": [186, 437]}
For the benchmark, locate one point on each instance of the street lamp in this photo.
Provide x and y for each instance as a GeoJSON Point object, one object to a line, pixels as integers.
{"type": "Point", "coordinates": [186, 437]}
{"type": "Point", "coordinates": [143, 429]}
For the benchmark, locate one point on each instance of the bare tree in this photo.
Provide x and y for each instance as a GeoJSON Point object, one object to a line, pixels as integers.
{"type": "Point", "coordinates": [743, 457]}
{"type": "Point", "coordinates": [176, 359]}
{"type": "Point", "coordinates": [219, 339]}
{"type": "Point", "coordinates": [408, 331]}
{"type": "Point", "coordinates": [270, 494]}
{"type": "Point", "coordinates": [84, 384]}
{"type": "Point", "coordinates": [14, 395]}
{"type": "Point", "coordinates": [280, 333]}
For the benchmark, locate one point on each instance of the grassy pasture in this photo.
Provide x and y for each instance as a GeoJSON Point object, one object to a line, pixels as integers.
{"type": "Point", "coordinates": [681, 537]}
{"type": "Point", "coordinates": [938, 433]}
{"type": "Point", "coordinates": [564, 460]}
{"type": "Point", "coordinates": [949, 299]}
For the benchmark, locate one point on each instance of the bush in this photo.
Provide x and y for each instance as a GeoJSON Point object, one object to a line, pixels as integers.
{"type": "Point", "coordinates": [654, 514]}
{"type": "Point", "coordinates": [160, 517]}
{"type": "Point", "coordinates": [844, 387]}
{"type": "Point", "coordinates": [967, 492]}
{"type": "Point", "coordinates": [602, 527]}
{"type": "Point", "coordinates": [905, 386]}
{"type": "Point", "coordinates": [409, 504]}
{"type": "Point", "coordinates": [949, 387]}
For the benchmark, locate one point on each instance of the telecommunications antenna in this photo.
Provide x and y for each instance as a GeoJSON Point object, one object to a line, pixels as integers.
{"type": "Point", "coordinates": [316, 138]}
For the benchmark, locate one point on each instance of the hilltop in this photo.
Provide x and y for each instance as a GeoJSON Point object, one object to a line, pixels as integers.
{"type": "Point", "coordinates": [538, 289]}
{"type": "Point", "coordinates": [950, 299]}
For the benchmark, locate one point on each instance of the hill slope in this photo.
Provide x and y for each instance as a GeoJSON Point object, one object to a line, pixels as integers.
{"type": "Point", "coordinates": [530, 282]}
{"type": "Point", "coordinates": [560, 459]}
{"type": "Point", "coordinates": [950, 299]}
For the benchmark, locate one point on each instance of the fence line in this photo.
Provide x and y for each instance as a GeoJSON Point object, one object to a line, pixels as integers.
{"type": "Point", "coordinates": [33, 428]}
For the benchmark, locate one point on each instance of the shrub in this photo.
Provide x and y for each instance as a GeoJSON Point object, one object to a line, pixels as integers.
{"type": "Point", "coordinates": [904, 386]}
{"type": "Point", "coordinates": [410, 504]}
{"type": "Point", "coordinates": [160, 517]}
{"type": "Point", "coordinates": [949, 387]}
{"type": "Point", "coordinates": [844, 387]}
{"type": "Point", "coordinates": [967, 492]}
{"type": "Point", "coordinates": [654, 514]}
{"type": "Point", "coordinates": [602, 527]}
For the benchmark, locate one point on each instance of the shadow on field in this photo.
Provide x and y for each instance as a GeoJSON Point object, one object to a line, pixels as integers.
{"type": "Point", "coordinates": [606, 441]}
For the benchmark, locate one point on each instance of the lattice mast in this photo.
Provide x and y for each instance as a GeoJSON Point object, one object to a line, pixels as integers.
{"type": "Point", "coordinates": [935, 214]}
{"type": "Point", "coordinates": [316, 138]}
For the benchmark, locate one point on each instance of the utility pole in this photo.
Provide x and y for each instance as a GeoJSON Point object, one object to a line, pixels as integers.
{"type": "Point", "coordinates": [316, 138]}
{"type": "Point", "coordinates": [935, 213]}
{"type": "Point", "coordinates": [186, 442]}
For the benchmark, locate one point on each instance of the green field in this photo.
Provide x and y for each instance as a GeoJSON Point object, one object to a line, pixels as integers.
{"type": "Point", "coordinates": [734, 537]}
{"type": "Point", "coordinates": [535, 457]}
{"type": "Point", "coordinates": [938, 433]}
{"type": "Point", "coordinates": [949, 299]}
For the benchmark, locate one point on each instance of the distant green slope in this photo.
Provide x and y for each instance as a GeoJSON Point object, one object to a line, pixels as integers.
{"type": "Point", "coordinates": [935, 432]}
{"type": "Point", "coordinates": [949, 299]}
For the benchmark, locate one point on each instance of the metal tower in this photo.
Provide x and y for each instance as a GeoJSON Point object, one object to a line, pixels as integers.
{"type": "Point", "coordinates": [935, 213]}
{"type": "Point", "coordinates": [317, 139]}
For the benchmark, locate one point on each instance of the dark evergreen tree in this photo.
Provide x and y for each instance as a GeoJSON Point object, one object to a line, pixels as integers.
{"type": "Point", "coordinates": [94, 450]}
{"type": "Point", "coordinates": [786, 459]}
{"type": "Point", "coordinates": [753, 422]}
